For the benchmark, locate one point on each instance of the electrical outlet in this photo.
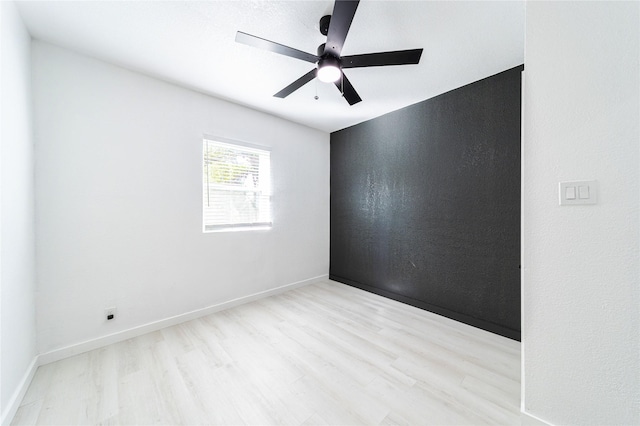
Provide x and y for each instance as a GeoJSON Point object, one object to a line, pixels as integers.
{"type": "Point", "coordinates": [110, 313]}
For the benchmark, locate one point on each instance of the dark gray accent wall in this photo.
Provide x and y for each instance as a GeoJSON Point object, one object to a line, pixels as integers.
{"type": "Point", "coordinates": [425, 204]}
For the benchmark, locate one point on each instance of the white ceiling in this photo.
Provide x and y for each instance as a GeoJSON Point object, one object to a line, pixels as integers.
{"type": "Point", "coordinates": [191, 43]}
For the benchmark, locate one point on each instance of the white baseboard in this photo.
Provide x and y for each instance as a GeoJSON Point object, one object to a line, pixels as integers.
{"type": "Point", "coordinates": [11, 409]}
{"type": "Point", "coordinates": [528, 419]}
{"type": "Point", "coordinates": [78, 348]}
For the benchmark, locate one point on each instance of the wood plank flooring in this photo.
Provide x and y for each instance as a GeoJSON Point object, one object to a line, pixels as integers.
{"type": "Point", "coordinates": [325, 353]}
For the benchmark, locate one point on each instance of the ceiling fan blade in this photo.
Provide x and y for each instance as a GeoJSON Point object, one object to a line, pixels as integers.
{"type": "Point", "coordinates": [271, 46]}
{"type": "Point", "coordinates": [297, 84]}
{"type": "Point", "coordinates": [398, 57]}
{"type": "Point", "coordinates": [343, 12]}
{"type": "Point", "coordinates": [348, 92]}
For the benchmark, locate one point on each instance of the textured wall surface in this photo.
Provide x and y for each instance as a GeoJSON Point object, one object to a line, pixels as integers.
{"type": "Point", "coordinates": [425, 204]}
{"type": "Point", "coordinates": [581, 264]}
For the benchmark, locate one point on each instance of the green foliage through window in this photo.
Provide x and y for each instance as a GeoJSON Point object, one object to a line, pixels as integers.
{"type": "Point", "coordinates": [228, 166]}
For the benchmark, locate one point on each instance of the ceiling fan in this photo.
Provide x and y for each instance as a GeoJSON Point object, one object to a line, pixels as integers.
{"type": "Point", "coordinates": [329, 63]}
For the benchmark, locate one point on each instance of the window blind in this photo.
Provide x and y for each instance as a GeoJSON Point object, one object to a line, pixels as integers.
{"type": "Point", "coordinates": [236, 186]}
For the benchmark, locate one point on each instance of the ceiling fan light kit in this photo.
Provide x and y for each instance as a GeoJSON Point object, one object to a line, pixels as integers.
{"type": "Point", "coordinates": [330, 64]}
{"type": "Point", "coordinates": [329, 70]}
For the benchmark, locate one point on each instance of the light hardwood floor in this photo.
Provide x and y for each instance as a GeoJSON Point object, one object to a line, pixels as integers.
{"type": "Point", "coordinates": [325, 353]}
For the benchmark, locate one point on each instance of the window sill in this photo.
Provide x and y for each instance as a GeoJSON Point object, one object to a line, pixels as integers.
{"type": "Point", "coordinates": [238, 229]}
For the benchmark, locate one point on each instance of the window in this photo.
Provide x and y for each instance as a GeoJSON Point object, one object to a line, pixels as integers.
{"type": "Point", "coordinates": [236, 186]}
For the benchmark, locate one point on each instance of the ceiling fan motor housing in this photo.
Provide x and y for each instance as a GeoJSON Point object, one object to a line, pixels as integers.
{"type": "Point", "coordinates": [329, 61]}
{"type": "Point", "coordinates": [327, 58]}
{"type": "Point", "coordinates": [320, 51]}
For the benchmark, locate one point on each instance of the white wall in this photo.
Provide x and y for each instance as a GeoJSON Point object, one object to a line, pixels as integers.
{"type": "Point", "coordinates": [17, 250]}
{"type": "Point", "coordinates": [581, 337]}
{"type": "Point", "coordinates": [118, 200]}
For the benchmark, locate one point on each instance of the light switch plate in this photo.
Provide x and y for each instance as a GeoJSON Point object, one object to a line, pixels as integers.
{"type": "Point", "coordinates": [578, 192]}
